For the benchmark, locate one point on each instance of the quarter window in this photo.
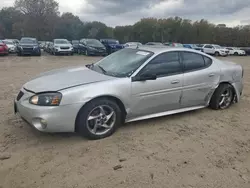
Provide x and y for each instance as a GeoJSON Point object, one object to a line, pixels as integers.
{"type": "Point", "coordinates": [164, 64]}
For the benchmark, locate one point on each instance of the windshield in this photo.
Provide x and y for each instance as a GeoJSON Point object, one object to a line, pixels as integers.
{"type": "Point", "coordinates": [28, 41]}
{"type": "Point", "coordinates": [8, 42]}
{"type": "Point", "coordinates": [122, 63]}
{"type": "Point", "coordinates": [61, 41]}
{"type": "Point", "coordinates": [94, 42]}
{"type": "Point", "coordinates": [217, 47]}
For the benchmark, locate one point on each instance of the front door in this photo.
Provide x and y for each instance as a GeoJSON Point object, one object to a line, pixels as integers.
{"type": "Point", "coordinates": [162, 94]}
{"type": "Point", "coordinates": [201, 76]}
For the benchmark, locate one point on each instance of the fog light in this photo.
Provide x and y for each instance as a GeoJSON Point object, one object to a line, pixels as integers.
{"type": "Point", "coordinates": [43, 123]}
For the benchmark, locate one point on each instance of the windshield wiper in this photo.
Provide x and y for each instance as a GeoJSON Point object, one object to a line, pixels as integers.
{"type": "Point", "coordinates": [103, 70]}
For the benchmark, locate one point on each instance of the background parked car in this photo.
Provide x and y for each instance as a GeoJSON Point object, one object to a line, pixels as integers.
{"type": "Point", "coordinates": [173, 44]}
{"type": "Point", "coordinates": [16, 41]}
{"type": "Point", "coordinates": [42, 44]}
{"type": "Point", "coordinates": [153, 43]}
{"type": "Point", "coordinates": [11, 46]}
{"type": "Point", "coordinates": [91, 47]}
{"type": "Point", "coordinates": [75, 44]}
{"type": "Point", "coordinates": [46, 46]}
{"type": "Point", "coordinates": [235, 51]}
{"type": "Point", "coordinates": [132, 44]}
{"type": "Point", "coordinates": [111, 45]}
{"type": "Point", "coordinates": [28, 46]}
{"type": "Point", "coordinates": [246, 49]}
{"type": "Point", "coordinates": [214, 49]}
{"type": "Point", "coordinates": [3, 48]}
{"type": "Point", "coordinates": [62, 46]}
{"type": "Point", "coordinates": [193, 46]}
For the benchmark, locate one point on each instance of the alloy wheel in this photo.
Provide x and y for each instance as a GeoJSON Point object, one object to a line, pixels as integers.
{"type": "Point", "coordinates": [101, 120]}
{"type": "Point", "coordinates": [226, 98]}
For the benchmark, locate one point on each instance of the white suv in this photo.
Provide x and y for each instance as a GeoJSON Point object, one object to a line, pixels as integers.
{"type": "Point", "coordinates": [235, 51]}
{"type": "Point", "coordinates": [214, 49]}
{"type": "Point", "coordinates": [62, 46]}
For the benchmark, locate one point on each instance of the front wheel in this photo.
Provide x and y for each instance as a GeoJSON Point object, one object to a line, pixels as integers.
{"type": "Point", "coordinates": [99, 119]}
{"type": "Point", "coordinates": [216, 53]}
{"type": "Point", "coordinates": [236, 53]}
{"type": "Point", "coordinates": [222, 97]}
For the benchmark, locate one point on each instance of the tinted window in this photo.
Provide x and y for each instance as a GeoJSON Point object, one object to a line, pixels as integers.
{"type": "Point", "coordinates": [208, 61]}
{"type": "Point", "coordinates": [192, 61]}
{"type": "Point", "coordinates": [208, 46]}
{"type": "Point", "coordinates": [164, 64]}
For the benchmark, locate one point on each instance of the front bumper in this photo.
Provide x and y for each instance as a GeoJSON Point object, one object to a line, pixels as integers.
{"type": "Point", "coordinates": [47, 119]}
{"type": "Point", "coordinates": [64, 51]}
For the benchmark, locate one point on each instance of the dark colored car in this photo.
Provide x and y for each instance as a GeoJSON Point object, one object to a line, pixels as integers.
{"type": "Point", "coordinates": [193, 46]}
{"type": "Point", "coordinates": [111, 45]}
{"type": "Point", "coordinates": [91, 47]}
{"type": "Point", "coordinates": [3, 48]}
{"type": "Point", "coordinates": [75, 44]}
{"type": "Point", "coordinates": [28, 46]}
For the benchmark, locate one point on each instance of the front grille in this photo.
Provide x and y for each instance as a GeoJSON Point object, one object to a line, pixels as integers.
{"type": "Point", "coordinates": [19, 96]}
{"type": "Point", "coordinates": [27, 49]}
{"type": "Point", "coordinates": [64, 48]}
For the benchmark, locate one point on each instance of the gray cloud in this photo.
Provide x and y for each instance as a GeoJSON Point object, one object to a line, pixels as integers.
{"type": "Point", "coordinates": [121, 12]}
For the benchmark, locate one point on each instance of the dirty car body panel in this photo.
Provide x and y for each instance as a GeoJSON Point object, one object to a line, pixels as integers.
{"type": "Point", "coordinates": [180, 89]}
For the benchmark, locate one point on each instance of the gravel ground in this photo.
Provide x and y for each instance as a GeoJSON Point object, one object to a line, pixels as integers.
{"type": "Point", "coordinates": [199, 149]}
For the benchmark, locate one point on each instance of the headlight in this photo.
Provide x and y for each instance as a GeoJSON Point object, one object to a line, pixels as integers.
{"type": "Point", "coordinates": [46, 99]}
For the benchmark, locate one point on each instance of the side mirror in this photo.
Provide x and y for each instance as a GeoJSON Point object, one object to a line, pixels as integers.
{"type": "Point", "coordinates": [144, 77]}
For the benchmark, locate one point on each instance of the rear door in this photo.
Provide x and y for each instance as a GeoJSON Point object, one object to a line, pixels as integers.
{"type": "Point", "coordinates": [201, 75]}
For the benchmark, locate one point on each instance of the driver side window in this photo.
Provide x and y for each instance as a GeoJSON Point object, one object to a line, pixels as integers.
{"type": "Point", "coordinates": [163, 65]}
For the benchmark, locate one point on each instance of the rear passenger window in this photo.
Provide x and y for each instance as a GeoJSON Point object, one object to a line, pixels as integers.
{"type": "Point", "coordinates": [192, 61]}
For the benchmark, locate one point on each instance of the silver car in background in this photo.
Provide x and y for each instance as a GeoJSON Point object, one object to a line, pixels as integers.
{"type": "Point", "coordinates": [62, 46]}
{"type": "Point", "coordinates": [129, 85]}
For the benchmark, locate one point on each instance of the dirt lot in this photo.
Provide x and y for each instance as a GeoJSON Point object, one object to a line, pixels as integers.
{"type": "Point", "coordinates": [201, 149]}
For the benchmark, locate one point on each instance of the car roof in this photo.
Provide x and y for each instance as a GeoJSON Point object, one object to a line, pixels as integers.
{"type": "Point", "coordinates": [28, 38]}
{"type": "Point", "coordinates": [157, 49]}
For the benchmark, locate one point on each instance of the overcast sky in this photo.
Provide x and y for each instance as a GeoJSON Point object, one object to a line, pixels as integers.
{"type": "Point", "coordinates": [123, 12]}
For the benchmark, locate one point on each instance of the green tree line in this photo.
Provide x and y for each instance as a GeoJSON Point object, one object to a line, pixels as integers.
{"type": "Point", "coordinates": [41, 19]}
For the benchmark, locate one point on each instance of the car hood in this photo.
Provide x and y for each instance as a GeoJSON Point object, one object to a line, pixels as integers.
{"type": "Point", "coordinates": [10, 45]}
{"type": "Point", "coordinates": [64, 78]}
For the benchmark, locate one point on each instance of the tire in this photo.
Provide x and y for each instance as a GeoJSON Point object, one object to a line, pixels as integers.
{"type": "Point", "coordinates": [217, 97]}
{"type": "Point", "coordinates": [83, 124]}
{"type": "Point", "coordinates": [236, 53]}
{"type": "Point", "coordinates": [19, 54]}
{"type": "Point", "coordinates": [86, 52]}
{"type": "Point", "coordinates": [216, 53]}
{"type": "Point", "coordinates": [72, 53]}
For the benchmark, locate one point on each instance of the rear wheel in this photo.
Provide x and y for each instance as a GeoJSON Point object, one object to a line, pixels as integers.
{"type": "Point", "coordinates": [99, 119]}
{"type": "Point", "coordinates": [236, 53]}
{"type": "Point", "coordinates": [216, 53]}
{"type": "Point", "coordinates": [222, 97]}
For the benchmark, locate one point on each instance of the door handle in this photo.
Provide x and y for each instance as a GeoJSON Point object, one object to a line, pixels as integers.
{"type": "Point", "coordinates": [175, 82]}
{"type": "Point", "coordinates": [211, 74]}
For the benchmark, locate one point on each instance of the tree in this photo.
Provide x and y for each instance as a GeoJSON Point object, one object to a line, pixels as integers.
{"type": "Point", "coordinates": [38, 16]}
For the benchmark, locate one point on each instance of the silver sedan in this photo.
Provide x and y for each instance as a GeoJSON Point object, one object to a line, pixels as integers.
{"type": "Point", "coordinates": [129, 85]}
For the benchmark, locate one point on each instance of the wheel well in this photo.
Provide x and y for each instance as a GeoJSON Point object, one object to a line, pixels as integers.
{"type": "Point", "coordinates": [234, 92]}
{"type": "Point", "coordinates": [118, 101]}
